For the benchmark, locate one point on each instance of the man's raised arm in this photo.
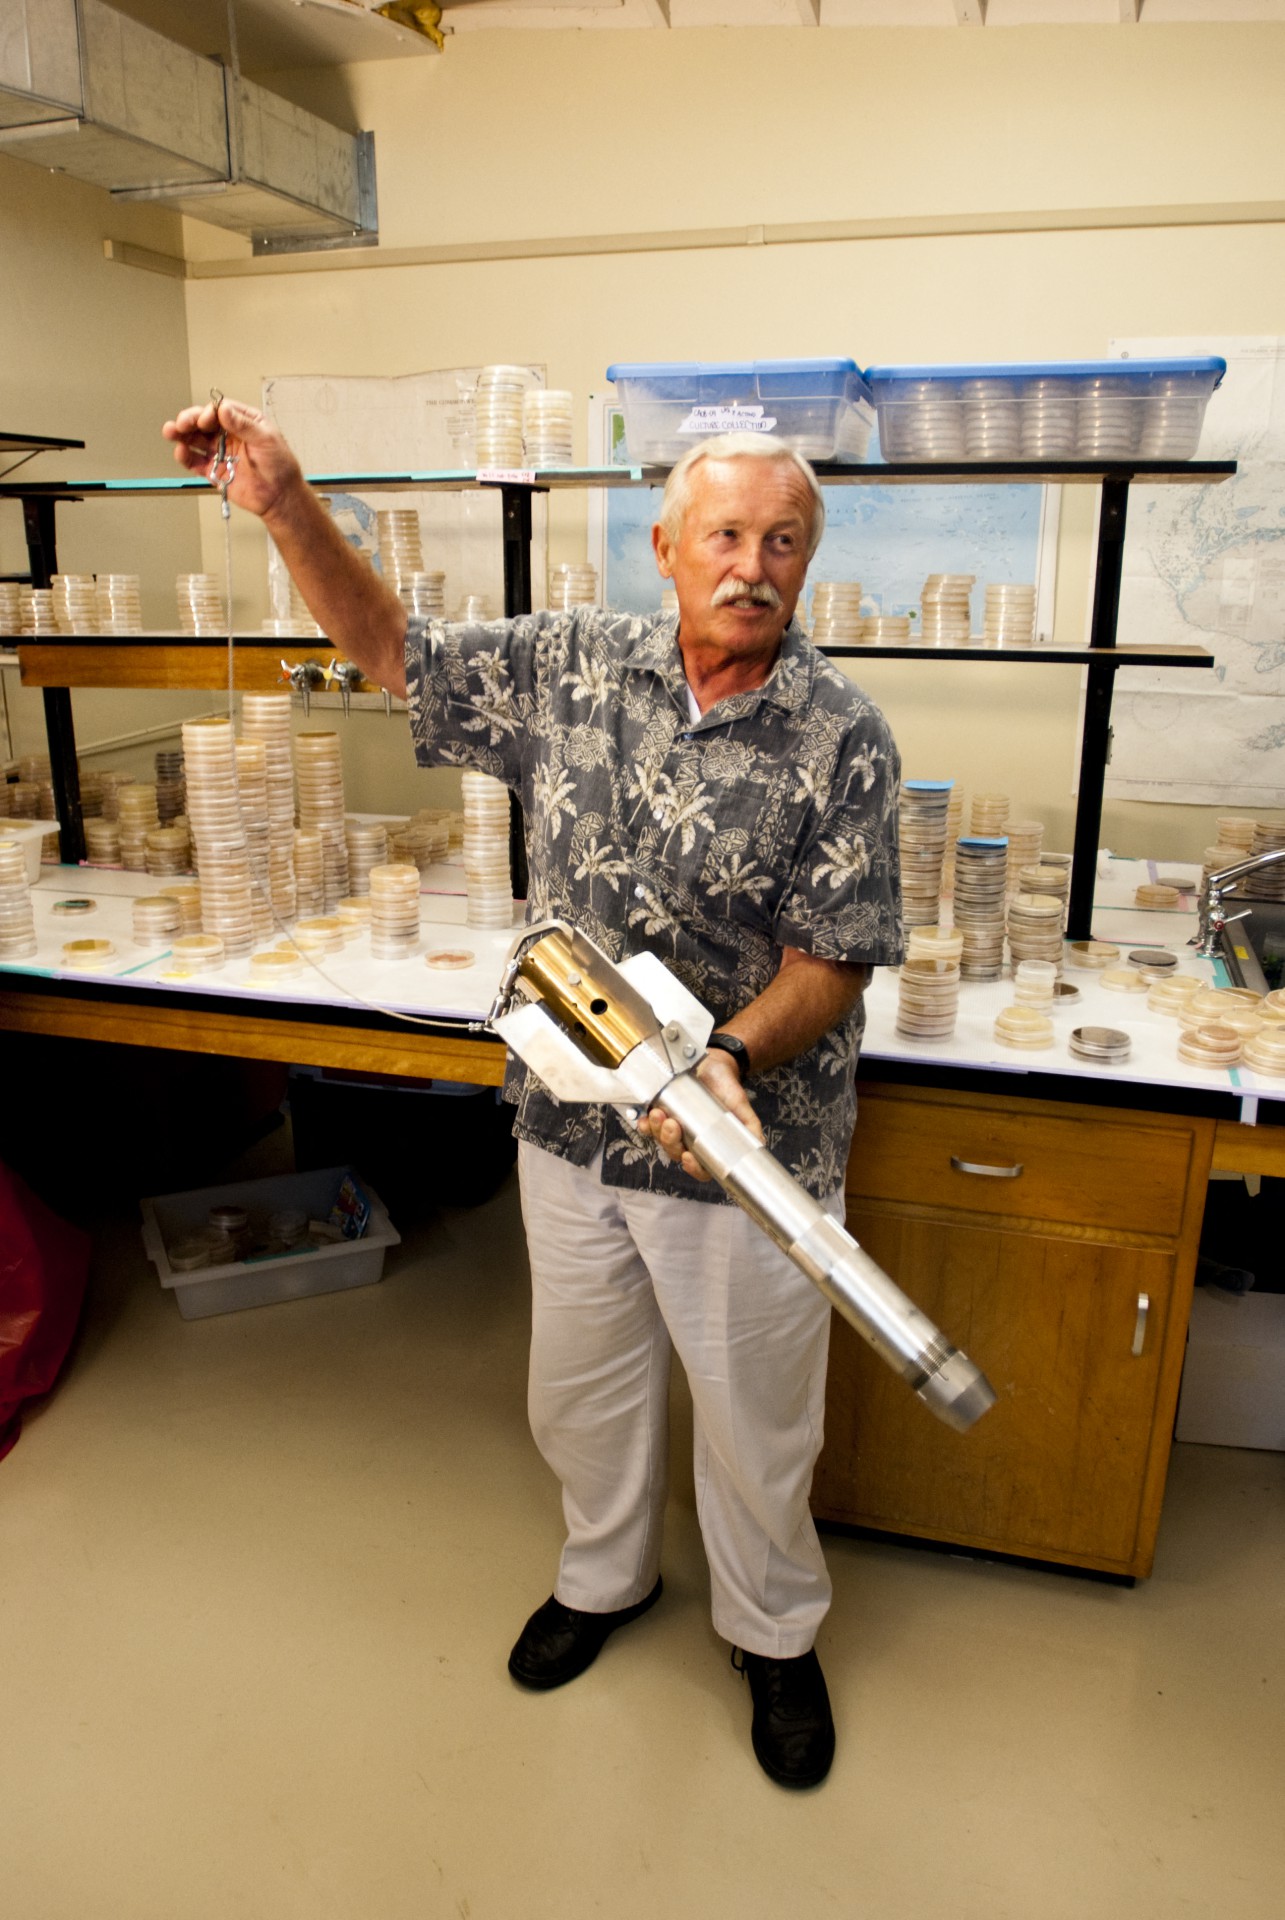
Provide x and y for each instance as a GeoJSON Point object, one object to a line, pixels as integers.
{"type": "Point", "coordinates": [360, 615]}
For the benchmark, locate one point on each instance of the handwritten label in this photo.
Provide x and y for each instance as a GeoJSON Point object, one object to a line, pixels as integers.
{"type": "Point", "coordinates": [707, 420]}
{"type": "Point", "coordinates": [506, 476]}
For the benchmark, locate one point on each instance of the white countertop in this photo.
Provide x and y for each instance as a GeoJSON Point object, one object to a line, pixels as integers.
{"type": "Point", "coordinates": [352, 979]}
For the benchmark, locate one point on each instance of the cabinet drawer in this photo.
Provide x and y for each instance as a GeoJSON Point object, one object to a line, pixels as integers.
{"type": "Point", "coordinates": [1076, 1167]}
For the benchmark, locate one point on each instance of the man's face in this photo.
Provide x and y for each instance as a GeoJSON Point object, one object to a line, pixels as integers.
{"type": "Point", "coordinates": [740, 558]}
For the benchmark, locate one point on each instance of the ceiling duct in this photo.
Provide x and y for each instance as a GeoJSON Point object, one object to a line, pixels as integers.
{"type": "Point", "coordinates": [85, 90]}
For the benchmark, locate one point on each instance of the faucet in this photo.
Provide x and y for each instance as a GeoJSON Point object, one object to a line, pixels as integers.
{"type": "Point", "coordinates": [1212, 917]}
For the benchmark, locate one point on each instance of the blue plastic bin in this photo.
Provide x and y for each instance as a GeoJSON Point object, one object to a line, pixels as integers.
{"type": "Point", "coordinates": [823, 408]}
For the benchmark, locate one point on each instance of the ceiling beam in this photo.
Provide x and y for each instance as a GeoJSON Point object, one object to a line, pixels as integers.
{"type": "Point", "coordinates": [809, 12]}
{"type": "Point", "coordinates": [970, 13]}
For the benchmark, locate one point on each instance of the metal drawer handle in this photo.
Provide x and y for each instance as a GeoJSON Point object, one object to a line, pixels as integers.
{"type": "Point", "coordinates": [1140, 1324]}
{"type": "Point", "coordinates": [991, 1173]}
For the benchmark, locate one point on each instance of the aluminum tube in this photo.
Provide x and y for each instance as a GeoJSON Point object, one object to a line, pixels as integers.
{"type": "Point", "coordinates": [945, 1379]}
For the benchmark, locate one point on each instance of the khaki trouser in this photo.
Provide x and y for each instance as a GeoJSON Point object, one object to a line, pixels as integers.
{"type": "Point", "coordinates": [620, 1280]}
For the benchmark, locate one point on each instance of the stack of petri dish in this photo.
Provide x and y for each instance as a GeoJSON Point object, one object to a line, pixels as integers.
{"type": "Point", "coordinates": [474, 608]}
{"type": "Point", "coordinates": [36, 614]}
{"type": "Point", "coordinates": [10, 608]}
{"type": "Point", "coordinates": [252, 784]}
{"type": "Point", "coordinates": [1215, 1003]}
{"type": "Point", "coordinates": [24, 799]}
{"type": "Point", "coordinates": [1172, 417]}
{"type": "Point", "coordinates": [1048, 418]}
{"type": "Point", "coordinates": [424, 594]}
{"type": "Point", "coordinates": [497, 415]}
{"type": "Point", "coordinates": [419, 843]}
{"type": "Point", "coordinates": [1091, 956]}
{"type": "Point", "coordinates": [546, 427]}
{"type": "Point", "coordinates": [198, 952]}
{"type": "Point", "coordinates": [17, 916]}
{"type": "Point", "coordinates": [91, 793]}
{"type": "Point", "coordinates": [934, 943]}
{"type": "Point", "coordinates": [1100, 1046]}
{"type": "Point", "coordinates": [318, 933]}
{"type": "Point", "coordinates": [486, 851]}
{"type": "Point", "coordinates": [394, 911]}
{"type": "Point", "coordinates": [6, 799]}
{"type": "Point", "coordinates": [1269, 882]}
{"type": "Point", "coordinates": [138, 818]}
{"type": "Point", "coordinates": [885, 629]}
{"type": "Point", "coordinates": [1023, 1027]}
{"type": "Point", "coordinates": [923, 806]}
{"type": "Point", "coordinates": [320, 776]}
{"type": "Point", "coordinates": [1122, 980]}
{"type": "Point", "coordinates": [572, 585]}
{"type": "Point", "coordinates": [1154, 898]}
{"type": "Point", "coordinates": [169, 849]}
{"type": "Point", "coordinates": [171, 795]}
{"type": "Point", "coordinates": [1236, 830]}
{"type": "Point", "coordinates": [186, 895]}
{"type": "Point", "coordinates": [201, 607]}
{"type": "Point", "coordinates": [309, 872]}
{"type": "Point", "coordinates": [269, 968]}
{"type": "Point", "coordinates": [218, 832]}
{"type": "Point", "coordinates": [927, 998]}
{"type": "Point", "coordinates": [836, 613]}
{"type": "Point", "coordinates": [157, 918]}
{"type": "Point", "coordinates": [1210, 1045]}
{"type": "Point", "coordinates": [102, 843]}
{"type": "Point", "coordinates": [265, 717]}
{"type": "Point", "coordinates": [992, 418]}
{"type": "Point", "coordinates": [929, 423]}
{"type": "Point", "coordinates": [1246, 1021]}
{"type": "Point", "coordinates": [980, 866]}
{"type": "Point", "coordinates": [75, 602]}
{"type": "Point", "coordinates": [353, 913]}
{"type": "Point", "coordinates": [1108, 420]}
{"type": "Point", "coordinates": [1025, 837]}
{"type": "Point", "coordinates": [988, 815]}
{"type": "Point", "coordinates": [1035, 928]}
{"type": "Point", "coordinates": [1171, 996]}
{"type": "Point", "coordinates": [1052, 875]}
{"type": "Point", "coordinates": [112, 780]}
{"type": "Point", "coordinates": [87, 956]}
{"type": "Point", "coordinates": [401, 551]}
{"type": "Point", "coordinates": [1265, 1052]}
{"type": "Point", "coordinates": [1035, 982]}
{"type": "Point", "coordinates": [945, 609]}
{"type": "Point", "coordinates": [367, 848]}
{"type": "Point", "coordinates": [119, 603]}
{"type": "Point", "coordinates": [1010, 615]}
{"type": "Point", "coordinates": [302, 624]}
{"type": "Point", "coordinates": [1153, 963]}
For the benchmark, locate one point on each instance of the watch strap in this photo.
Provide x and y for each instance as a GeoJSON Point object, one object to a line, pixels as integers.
{"type": "Point", "coordinates": [731, 1043]}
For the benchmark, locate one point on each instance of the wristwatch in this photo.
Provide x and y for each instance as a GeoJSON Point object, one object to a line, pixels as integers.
{"type": "Point", "coordinates": [728, 1043]}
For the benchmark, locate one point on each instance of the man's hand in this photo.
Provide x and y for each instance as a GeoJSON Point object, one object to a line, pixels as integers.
{"type": "Point", "coordinates": [266, 470]}
{"type": "Point", "coordinates": [718, 1072]}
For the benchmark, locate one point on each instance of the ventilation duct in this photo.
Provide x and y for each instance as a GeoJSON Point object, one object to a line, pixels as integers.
{"type": "Point", "coordinates": [85, 90]}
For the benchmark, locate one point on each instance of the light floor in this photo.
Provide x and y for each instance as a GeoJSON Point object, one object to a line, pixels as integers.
{"type": "Point", "coordinates": [259, 1576]}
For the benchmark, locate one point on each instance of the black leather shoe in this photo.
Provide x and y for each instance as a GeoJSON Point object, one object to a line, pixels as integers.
{"type": "Point", "coordinates": [792, 1731]}
{"type": "Point", "coordinates": [558, 1643]}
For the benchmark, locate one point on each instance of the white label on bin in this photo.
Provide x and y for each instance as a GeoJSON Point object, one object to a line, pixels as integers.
{"type": "Point", "coordinates": [705, 420]}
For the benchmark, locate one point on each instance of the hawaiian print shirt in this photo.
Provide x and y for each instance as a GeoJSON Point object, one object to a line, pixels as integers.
{"type": "Point", "coordinates": [770, 821]}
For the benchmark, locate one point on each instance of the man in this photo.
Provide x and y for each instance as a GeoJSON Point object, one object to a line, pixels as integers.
{"type": "Point", "coordinates": [709, 787]}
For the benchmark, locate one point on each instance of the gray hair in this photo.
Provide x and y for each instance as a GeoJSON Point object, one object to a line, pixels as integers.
{"type": "Point", "coordinates": [736, 446]}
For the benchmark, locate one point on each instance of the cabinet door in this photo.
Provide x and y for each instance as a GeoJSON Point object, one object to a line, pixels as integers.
{"type": "Point", "coordinates": [1056, 1469]}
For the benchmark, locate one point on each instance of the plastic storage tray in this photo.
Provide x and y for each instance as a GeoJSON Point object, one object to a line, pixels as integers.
{"type": "Point", "coordinates": [822, 408]}
{"type": "Point", "coordinates": [1096, 410]}
{"type": "Point", "coordinates": [172, 1217]}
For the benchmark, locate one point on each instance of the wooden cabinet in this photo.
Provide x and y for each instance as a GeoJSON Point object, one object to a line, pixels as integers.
{"type": "Point", "coordinates": [1056, 1245]}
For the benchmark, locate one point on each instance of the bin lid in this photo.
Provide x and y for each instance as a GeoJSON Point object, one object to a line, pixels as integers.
{"type": "Point", "coordinates": [1048, 369]}
{"type": "Point", "coordinates": [702, 369]}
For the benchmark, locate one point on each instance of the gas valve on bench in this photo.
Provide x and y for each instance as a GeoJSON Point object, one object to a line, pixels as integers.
{"type": "Point", "coordinates": [630, 1036]}
{"type": "Point", "coordinates": [348, 677]}
{"type": "Point", "coordinates": [306, 678]}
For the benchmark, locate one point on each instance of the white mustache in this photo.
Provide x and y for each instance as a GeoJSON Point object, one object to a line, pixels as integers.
{"type": "Point", "coordinates": [759, 593]}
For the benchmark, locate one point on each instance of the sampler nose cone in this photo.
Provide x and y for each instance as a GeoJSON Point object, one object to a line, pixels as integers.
{"type": "Point", "coordinates": [958, 1392]}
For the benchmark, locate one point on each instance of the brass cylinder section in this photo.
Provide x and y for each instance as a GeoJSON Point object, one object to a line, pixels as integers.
{"type": "Point", "coordinates": [604, 1021]}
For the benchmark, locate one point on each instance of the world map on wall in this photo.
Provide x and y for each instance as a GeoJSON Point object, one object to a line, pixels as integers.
{"type": "Point", "coordinates": [1205, 566]}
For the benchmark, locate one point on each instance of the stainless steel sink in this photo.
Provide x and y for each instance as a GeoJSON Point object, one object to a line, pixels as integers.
{"type": "Point", "coordinates": [1253, 949]}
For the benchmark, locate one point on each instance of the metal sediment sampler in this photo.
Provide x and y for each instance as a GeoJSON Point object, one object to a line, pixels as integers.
{"type": "Point", "coordinates": [576, 1005]}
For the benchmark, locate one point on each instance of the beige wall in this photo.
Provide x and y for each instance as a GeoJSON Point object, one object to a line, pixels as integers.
{"type": "Point", "coordinates": [517, 137]}
{"type": "Point", "coordinates": [90, 351]}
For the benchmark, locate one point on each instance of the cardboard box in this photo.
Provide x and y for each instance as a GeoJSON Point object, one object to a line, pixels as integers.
{"type": "Point", "coordinates": [1233, 1383]}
